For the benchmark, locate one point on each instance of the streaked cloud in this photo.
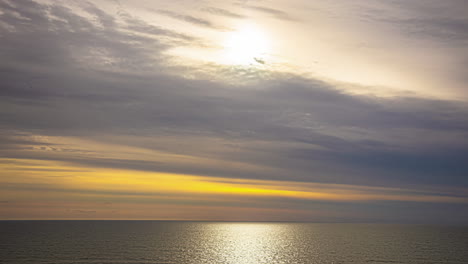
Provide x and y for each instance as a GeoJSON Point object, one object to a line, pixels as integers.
{"type": "Point", "coordinates": [279, 14]}
{"type": "Point", "coordinates": [223, 12]}
{"type": "Point", "coordinates": [187, 18]}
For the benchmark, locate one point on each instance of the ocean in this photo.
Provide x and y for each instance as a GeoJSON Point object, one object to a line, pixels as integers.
{"type": "Point", "coordinates": [175, 242]}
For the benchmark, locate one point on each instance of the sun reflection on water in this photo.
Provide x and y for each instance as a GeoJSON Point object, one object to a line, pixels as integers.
{"type": "Point", "coordinates": [246, 243]}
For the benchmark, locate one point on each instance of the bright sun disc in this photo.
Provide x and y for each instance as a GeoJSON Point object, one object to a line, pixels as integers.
{"type": "Point", "coordinates": [245, 46]}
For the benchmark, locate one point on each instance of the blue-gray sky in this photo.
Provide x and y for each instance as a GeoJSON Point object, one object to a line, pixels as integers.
{"type": "Point", "coordinates": [234, 110]}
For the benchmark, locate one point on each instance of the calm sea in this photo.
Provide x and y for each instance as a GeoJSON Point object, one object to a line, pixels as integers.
{"type": "Point", "coordinates": [234, 243]}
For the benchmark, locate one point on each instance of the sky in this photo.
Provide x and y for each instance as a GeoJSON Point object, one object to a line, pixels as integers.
{"type": "Point", "coordinates": [268, 110]}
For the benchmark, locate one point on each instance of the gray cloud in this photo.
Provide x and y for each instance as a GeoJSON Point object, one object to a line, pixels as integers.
{"type": "Point", "coordinates": [430, 19]}
{"type": "Point", "coordinates": [65, 75]}
{"type": "Point", "coordinates": [62, 38]}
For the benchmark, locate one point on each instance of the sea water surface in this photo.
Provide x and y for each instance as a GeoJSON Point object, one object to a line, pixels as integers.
{"type": "Point", "coordinates": [233, 243]}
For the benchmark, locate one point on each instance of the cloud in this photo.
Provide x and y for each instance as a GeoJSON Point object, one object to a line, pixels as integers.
{"type": "Point", "coordinates": [98, 91]}
{"type": "Point", "coordinates": [189, 19]}
{"type": "Point", "coordinates": [83, 211]}
{"type": "Point", "coordinates": [65, 39]}
{"type": "Point", "coordinates": [420, 20]}
{"type": "Point", "coordinates": [269, 11]}
{"type": "Point", "coordinates": [223, 12]}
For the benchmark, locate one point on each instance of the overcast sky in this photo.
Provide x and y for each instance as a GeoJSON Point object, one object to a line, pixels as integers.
{"type": "Point", "coordinates": [268, 110]}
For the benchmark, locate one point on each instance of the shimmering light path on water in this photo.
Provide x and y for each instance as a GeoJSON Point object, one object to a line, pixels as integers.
{"type": "Point", "coordinates": [230, 243]}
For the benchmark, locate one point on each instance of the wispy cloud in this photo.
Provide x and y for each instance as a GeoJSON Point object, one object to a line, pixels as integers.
{"type": "Point", "coordinates": [223, 12]}
{"type": "Point", "coordinates": [189, 19]}
{"type": "Point", "coordinates": [279, 14]}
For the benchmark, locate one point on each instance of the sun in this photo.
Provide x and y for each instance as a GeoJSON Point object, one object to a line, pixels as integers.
{"type": "Point", "coordinates": [246, 45]}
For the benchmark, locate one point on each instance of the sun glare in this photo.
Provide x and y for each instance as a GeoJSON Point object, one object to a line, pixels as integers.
{"type": "Point", "coordinates": [246, 45]}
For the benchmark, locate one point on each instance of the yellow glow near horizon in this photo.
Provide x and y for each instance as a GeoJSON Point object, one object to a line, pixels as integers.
{"type": "Point", "coordinates": [127, 183]}
{"type": "Point", "coordinates": [248, 44]}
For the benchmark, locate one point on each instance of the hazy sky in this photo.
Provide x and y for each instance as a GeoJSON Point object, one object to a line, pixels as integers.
{"type": "Point", "coordinates": [297, 110]}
